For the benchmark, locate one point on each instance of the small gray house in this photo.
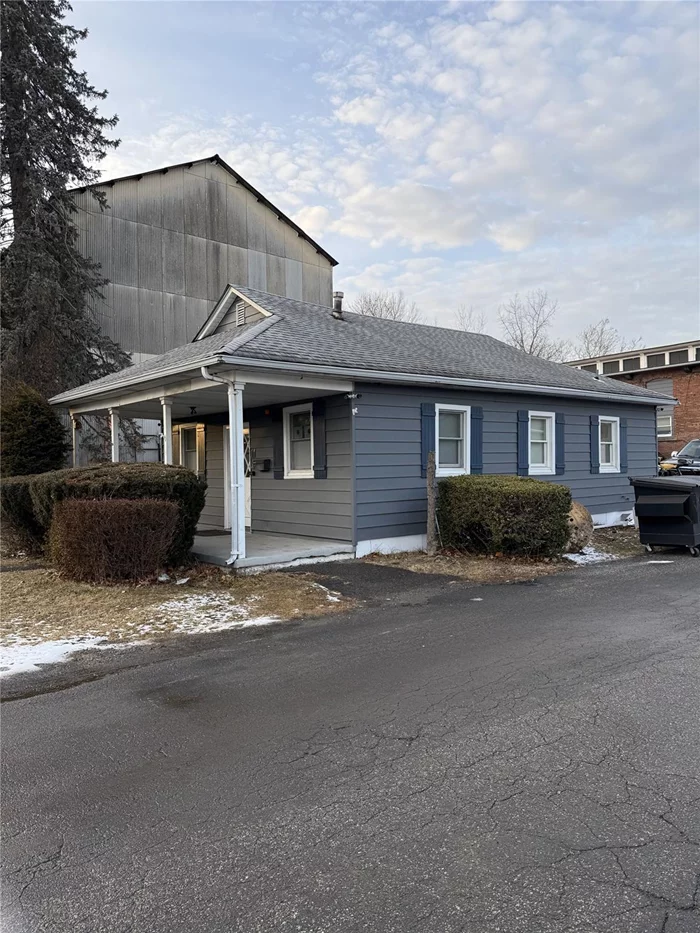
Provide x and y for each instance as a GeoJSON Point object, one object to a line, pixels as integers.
{"type": "Point", "coordinates": [312, 426]}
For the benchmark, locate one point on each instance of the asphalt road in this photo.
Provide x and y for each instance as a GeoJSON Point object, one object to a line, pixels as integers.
{"type": "Point", "coordinates": [526, 763]}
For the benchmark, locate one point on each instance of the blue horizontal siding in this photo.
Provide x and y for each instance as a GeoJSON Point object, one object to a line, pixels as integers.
{"type": "Point", "coordinates": [390, 499]}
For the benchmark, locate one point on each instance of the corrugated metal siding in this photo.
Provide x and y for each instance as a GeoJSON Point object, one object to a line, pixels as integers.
{"type": "Point", "coordinates": [187, 233]}
{"type": "Point", "coordinates": [389, 490]}
{"type": "Point", "coordinates": [315, 507]}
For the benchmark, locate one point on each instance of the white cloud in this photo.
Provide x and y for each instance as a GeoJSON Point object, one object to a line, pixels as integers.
{"type": "Point", "coordinates": [562, 137]}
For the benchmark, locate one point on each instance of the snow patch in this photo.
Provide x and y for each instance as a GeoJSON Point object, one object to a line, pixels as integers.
{"type": "Point", "coordinates": [194, 614]}
{"type": "Point", "coordinates": [201, 613]}
{"type": "Point", "coordinates": [20, 656]}
{"type": "Point", "coordinates": [331, 595]}
{"type": "Point", "coordinates": [590, 555]}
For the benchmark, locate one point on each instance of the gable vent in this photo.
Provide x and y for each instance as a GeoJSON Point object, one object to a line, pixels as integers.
{"type": "Point", "coordinates": [240, 313]}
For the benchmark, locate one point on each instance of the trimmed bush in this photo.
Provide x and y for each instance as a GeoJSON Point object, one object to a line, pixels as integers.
{"type": "Point", "coordinates": [117, 481]}
{"type": "Point", "coordinates": [32, 438]}
{"type": "Point", "coordinates": [105, 540]}
{"type": "Point", "coordinates": [504, 515]}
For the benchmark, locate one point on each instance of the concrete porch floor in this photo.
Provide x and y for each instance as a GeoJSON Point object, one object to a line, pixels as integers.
{"type": "Point", "coordinates": [266, 547]}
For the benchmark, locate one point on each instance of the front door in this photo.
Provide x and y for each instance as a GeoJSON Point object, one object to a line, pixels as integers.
{"type": "Point", "coordinates": [227, 476]}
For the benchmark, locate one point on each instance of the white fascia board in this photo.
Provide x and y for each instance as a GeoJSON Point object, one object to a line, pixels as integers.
{"type": "Point", "coordinates": [157, 389]}
{"type": "Point", "coordinates": [367, 375]}
{"type": "Point", "coordinates": [222, 358]}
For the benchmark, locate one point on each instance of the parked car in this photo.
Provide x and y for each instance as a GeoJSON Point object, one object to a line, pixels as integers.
{"type": "Point", "coordinates": [684, 462]}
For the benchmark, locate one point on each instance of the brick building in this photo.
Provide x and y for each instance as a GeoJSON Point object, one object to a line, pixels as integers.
{"type": "Point", "coordinates": [673, 370]}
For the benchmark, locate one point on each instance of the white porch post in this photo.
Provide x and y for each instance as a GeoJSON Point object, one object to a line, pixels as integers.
{"type": "Point", "coordinates": [114, 429]}
{"type": "Point", "coordinates": [237, 471]}
{"type": "Point", "coordinates": [74, 438]}
{"type": "Point", "coordinates": [167, 421]}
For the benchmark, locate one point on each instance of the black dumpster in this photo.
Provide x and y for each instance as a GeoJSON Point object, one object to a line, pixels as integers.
{"type": "Point", "coordinates": [668, 511]}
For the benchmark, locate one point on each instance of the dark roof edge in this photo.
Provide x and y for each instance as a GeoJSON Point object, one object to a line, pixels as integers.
{"type": "Point", "coordinates": [239, 178]}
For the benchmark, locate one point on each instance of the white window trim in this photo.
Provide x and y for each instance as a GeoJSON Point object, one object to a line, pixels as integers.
{"type": "Point", "coordinates": [190, 426]}
{"type": "Point", "coordinates": [615, 466]}
{"type": "Point", "coordinates": [289, 473]}
{"type": "Point", "coordinates": [547, 469]}
{"type": "Point", "coordinates": [466, 413]}
{"type": "Point", "coordinates": [670, 417]}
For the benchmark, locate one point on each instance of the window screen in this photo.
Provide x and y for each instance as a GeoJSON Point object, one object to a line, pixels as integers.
{"type": "Point", "coordinates": [678, 356]}
{"type": "Point", "coordinates": [611, 366]}
{"type": "Point", "coordinates": [634, 362]}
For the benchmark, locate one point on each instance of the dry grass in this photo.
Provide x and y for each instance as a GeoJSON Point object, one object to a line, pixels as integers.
{"type": "Point", "coordinates": [471, 567]}
{"type": "Point", "coordinates": [38, 605]}
{"type": "Point", "coordinates": [622, 542]}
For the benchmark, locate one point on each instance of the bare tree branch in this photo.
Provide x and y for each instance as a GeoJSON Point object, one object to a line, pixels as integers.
{"type": "Point", "coordinates": [602, 338]}
{"type": "Point", "coordinates": [526, 322]}
{"type": "Point", "coordinates": [471, 320]}
{"type": "Point", "coordinates": [390, 305]}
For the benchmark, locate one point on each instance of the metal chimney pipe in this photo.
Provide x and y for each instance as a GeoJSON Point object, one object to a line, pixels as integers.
{"type": "Point", "coordinates": [338, 305]}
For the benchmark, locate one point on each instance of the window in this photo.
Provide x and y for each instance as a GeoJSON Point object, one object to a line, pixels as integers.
{"type": "Point", "coordinates": [189, 451]}
{"type": "Point", "coordinates": [631, 363]}
{"type": "Point", "coordinates": [452, 439]}
{"type": "Point", "coordinates": [678, 356]}
{"type": "Point", "coordinates": [664, 423]}
{"type": "Point", "coordinates": [590, 368]}
{"type": "Point", "coordinates": [664, 414]}
{"type": "Point", "coordinates": [541, 442]}
{"type": "Point", "coordinates": [656, 359]}
{"type": "Point", "coordinates": [611, 366]}
{"type": "Point", "coordinates": [298, 442]}
{"type": "Point", "coordinates": [609, 445]}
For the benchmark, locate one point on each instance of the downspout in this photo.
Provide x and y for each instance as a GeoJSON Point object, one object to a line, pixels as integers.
{"type": "Point", "coordinates": [236, 490]}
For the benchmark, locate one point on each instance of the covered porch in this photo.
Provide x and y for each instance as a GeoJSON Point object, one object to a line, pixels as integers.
{"type": "Point", "coordinates": [226, 424]}
{"type": "Point", "coordinates": [266, 548]}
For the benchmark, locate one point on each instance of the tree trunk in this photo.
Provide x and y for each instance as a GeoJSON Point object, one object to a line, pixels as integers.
{"type": "Point", "coordinates": [432, 502]}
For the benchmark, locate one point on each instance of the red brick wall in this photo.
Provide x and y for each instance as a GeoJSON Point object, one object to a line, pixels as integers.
{"type": "Point", "coordinates": [686, 415]}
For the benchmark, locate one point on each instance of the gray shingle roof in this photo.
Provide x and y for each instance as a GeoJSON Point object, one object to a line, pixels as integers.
{"type": "Point", "coordinates": [308, 333]}
{"type": "Point", "coordinates": [302, 333]}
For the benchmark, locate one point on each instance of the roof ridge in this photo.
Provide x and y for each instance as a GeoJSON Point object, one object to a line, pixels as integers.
{"type": "Point", "coordinates": [240, 340]}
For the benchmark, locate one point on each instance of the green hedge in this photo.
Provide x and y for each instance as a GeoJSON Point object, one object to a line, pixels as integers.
{"type": "Point", "coordinates": [106, 481]}
{"type": "Point", "coordinates": [504, 514]}
{"type": "Point", "coordinates": [20, 529]}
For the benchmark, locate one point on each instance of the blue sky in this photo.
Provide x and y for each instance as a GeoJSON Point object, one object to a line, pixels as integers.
{"type": "Point", "coordinates": [459, 151]}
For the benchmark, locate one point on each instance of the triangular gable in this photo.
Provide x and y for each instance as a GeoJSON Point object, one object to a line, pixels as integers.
{"type": "Point", "coordinates": [232, 310]}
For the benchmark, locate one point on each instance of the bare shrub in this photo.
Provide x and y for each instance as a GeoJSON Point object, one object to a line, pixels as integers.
{"type": "Point", "coordinates": [105, 540]}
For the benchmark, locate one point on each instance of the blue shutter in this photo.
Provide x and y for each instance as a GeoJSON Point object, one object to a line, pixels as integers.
{"type": "Point", "coordinates": [595, 442]}
{"type": "Point", "coordinates": [523, 443]}
{"type": "Point", "coordinates": [476, 453]}
{"type": "Point", "coordinates": [623, 445]}
{"type": "Point", "coordinates": [427, 434]}
{"type": "Point", "coordinates": [559, 441]}
{"type": "Point", "coordinates": [318, 415]}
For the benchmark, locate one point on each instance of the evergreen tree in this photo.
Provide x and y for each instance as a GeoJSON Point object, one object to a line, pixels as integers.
{"type": "Point", "coordinates": [32, 438]}
{"type": "Point", "coordinates": [53, 136]}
